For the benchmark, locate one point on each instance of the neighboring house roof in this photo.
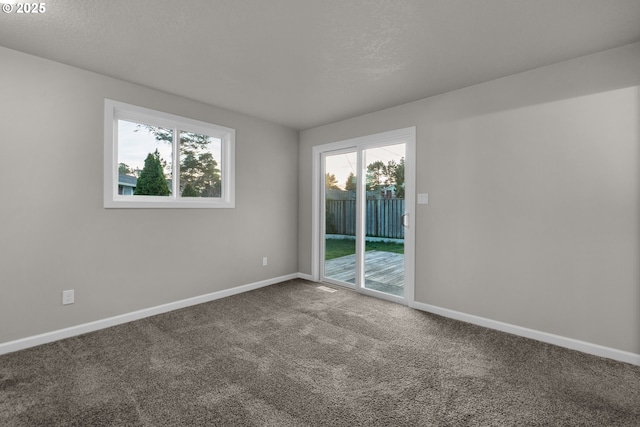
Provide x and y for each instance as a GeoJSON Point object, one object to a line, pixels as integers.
{"type": "Point", "coordinates": [127, 180]}
{"type": "Point", "coordinates": [132, 181]}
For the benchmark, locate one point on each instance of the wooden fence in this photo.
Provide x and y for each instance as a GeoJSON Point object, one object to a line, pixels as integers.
{"type": "Point", "coordinates": [383, 218]}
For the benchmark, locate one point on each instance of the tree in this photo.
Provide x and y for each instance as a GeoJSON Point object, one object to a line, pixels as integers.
{"type": "Point", "coordinates": [152, 181]}
{"type": "Point", "coordinates": [380, 175]}
{"type": "Point", "coordinates": [350, 185]}
{"type": "Point", "coordinates": [398, 178]}
{"type": "Point", "coordinates": [189, 191]}
{"type": "Point", "coordinates": [331, 182]}
{"type": "Point", "coordinates": [395, 176]}
{"type": "Point", "coordinates": [124, 169]}
{"type": "Point", "coordinates": [376, 172]}
{"type": "Point", "coordinates": [200, 171]}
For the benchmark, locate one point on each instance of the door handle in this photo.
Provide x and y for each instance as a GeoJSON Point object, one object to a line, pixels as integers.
{"type": "Point", "coordinates": [403, 222]}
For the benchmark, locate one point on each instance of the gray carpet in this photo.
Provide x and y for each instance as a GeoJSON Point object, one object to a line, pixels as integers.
{"type": "Point", "coordinates": [293, 355]}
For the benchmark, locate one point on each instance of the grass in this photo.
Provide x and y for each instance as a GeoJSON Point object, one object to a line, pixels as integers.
{"type": "Point", "coordinates": [335, 248]}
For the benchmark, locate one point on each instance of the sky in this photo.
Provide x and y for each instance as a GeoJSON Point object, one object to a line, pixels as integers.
{"type": "Point", "coordinates": [134, 147]}
{"type": "Point", "coordinates": [341, 165]}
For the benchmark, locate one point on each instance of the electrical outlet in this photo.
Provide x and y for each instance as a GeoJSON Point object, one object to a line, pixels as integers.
{"type": "Point", "coordinates": [68, 297]}
{"type": "Point", "coordinates": [264, 261]}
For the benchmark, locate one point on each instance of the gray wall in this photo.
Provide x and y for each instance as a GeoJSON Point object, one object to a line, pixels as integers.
{"type": "Point", "coordinates": [533, 197]}
{"type": "Point", "coordinates": [55, 234]}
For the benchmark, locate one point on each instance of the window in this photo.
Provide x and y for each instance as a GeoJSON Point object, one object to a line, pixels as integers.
{"type": "Point", "coordinates": [159, 160]}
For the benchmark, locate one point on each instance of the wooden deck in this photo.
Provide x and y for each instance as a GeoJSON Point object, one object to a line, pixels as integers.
{"type": "Point", "coordinates": [384, 271]}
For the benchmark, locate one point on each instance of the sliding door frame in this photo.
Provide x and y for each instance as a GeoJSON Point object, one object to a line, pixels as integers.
{"type": "Point", "coordinates": [359, 144]}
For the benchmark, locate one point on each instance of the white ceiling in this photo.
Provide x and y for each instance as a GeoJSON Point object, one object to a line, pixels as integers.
{"type": "Point", "coordinates": [305, 63]}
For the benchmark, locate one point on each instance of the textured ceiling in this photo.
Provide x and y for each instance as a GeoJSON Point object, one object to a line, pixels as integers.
{"type": "Point", "coordinates": [304, 63]}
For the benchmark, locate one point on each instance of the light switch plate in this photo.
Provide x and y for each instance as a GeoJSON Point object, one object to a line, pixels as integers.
{"type": "Point", "coordinates": [423, 198]}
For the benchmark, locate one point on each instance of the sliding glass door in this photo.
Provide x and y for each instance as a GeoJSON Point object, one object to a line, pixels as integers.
{"type": "Point", "coordinates": [363, 218]}
{"type": "Point", "coordinates": [340, 216]}
{"type": "Point", "coordinates": [384, 214]}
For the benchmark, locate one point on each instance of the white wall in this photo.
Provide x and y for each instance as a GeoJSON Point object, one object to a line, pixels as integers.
{"type": "Point", "coordinates": [533, 197]}
{"type": "Point", "coordinates": [55, 234]}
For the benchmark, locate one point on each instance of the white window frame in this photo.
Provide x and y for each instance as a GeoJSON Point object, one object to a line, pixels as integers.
{"type": "Point", "coordinates": [115, 110]}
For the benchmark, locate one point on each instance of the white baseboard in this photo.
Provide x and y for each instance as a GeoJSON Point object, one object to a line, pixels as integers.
{"type": "Point", "coordinates": [73, 331]}
{"type": "Point", "coordinates": [585, 347]}
{"type": "Point", "coordinates": [573, 344]}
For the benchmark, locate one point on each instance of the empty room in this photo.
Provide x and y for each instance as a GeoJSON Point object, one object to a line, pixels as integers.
{"type": "Point", "coordinates": [320, 212]}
